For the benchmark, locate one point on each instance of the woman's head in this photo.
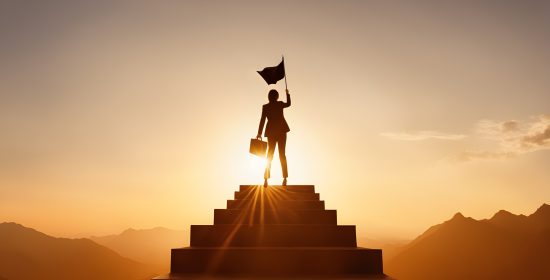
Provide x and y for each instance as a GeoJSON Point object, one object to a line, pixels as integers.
{"type": "Point", "coordinates": [273, 95]}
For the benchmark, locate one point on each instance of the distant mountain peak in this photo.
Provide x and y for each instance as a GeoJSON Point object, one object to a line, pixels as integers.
{"type": "Point", "coordinates": [542, 211]}
{"type": "Point", "coordinates": [11, 224]}
{"type": "Point", "coordinates": [458, 216]}
{"type": "Point", "coordinates": [459, 220]}
{"type": "Point", "coordinates": [502, 214]}
{"type": "Point", "coordinates": [128, 230]}
{"type": "Point", "coordinates": [19, 228]}
{"type": "Point", "coordinates": [148, 246]}
{"type": "Point", "coordinates": [155, 229]}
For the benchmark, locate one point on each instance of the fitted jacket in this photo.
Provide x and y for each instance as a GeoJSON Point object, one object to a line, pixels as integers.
{"type": "Point", "coordinates": [276, 123]}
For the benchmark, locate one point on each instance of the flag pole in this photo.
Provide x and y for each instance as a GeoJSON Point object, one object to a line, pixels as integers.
{"type": "Point", "coordinates": [286, 88]}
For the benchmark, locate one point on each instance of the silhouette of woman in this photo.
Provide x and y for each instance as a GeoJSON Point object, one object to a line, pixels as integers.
{"type": "Point", "coordinates": [275, 131]}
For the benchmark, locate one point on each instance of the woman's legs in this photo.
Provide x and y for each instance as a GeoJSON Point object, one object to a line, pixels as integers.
{"type": "Point", "coordinates": [282, 155]}
{"type": "Point", "coordinates": [280, 141]}
{"type": "Point", "coordinates": [271, 142]}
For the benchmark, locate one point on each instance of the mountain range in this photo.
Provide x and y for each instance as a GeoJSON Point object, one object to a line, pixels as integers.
{"type": "Point", "coordinates": [506, 246]}
{"type": "Point", "coordinates": [149, 246]}
{"type": "Point", "coordinates": [28, 254]}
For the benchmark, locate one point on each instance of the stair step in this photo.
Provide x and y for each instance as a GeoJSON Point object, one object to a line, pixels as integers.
{"type": "Point", "coordinates": [273, 235]}
{"type": "Point", "coordinates": [199, 276]}
{"type": "Point", "coordinates": [275, 203]}
{"type": "Point", "coordinates": [280, 195]}
{"type": "Point", "coordinates": [277, 261]}
{"type": "Point", "coordinates": [283, 216]}
{"type": "Point", "coordinates": [292, 188]}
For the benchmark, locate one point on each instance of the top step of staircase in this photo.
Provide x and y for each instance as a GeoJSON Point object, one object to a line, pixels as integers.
{"type": "Point", "coordinates": [293, 188]}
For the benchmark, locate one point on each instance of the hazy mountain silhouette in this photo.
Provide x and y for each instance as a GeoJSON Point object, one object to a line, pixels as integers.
{"type": "Point", "coordinates": [507, 246]}
{"type": "Point", "coordinates": [390, 247]}
{"type": "Point", "coordinates": [28, 254]}
{"type": "Point", "coordinates": [149, 246]}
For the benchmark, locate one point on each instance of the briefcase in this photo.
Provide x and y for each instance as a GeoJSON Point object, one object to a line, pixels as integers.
{"type": "Point", "coordinates": [258, 147]}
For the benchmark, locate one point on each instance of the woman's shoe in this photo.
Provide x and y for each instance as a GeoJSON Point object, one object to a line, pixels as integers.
{"type": "Point", "coordinates": [284, 182]}
{"type": "Point", "coordinates": [265, 183]}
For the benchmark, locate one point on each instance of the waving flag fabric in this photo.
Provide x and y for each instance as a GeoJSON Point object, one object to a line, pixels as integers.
{"type": "Point", "coordinates": [273, 74]}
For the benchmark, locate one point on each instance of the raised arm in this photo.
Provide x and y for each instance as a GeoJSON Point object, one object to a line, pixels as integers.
{"type": "Point", "coordinates": [262, 122]}
{"type": "Point", "coordinates": [288, 102]}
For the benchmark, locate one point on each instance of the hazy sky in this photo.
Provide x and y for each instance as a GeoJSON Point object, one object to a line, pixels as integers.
{"type": "Point", "coordinates": [138, 113]}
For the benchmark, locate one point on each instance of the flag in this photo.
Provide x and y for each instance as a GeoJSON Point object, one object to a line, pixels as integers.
{"type": "Point", "coordinates": [273, 74]}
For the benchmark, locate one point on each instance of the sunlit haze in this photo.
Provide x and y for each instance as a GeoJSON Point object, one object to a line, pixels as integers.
{"type": "Point", "coordinates": [139, 114]}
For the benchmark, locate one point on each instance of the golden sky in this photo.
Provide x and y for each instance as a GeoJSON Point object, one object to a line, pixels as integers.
{"type": "Point", "coordinates": [138, 114]}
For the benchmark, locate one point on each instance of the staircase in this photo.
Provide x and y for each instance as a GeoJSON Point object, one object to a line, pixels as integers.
{"type": "Point", "coordinates": [275, 232]}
